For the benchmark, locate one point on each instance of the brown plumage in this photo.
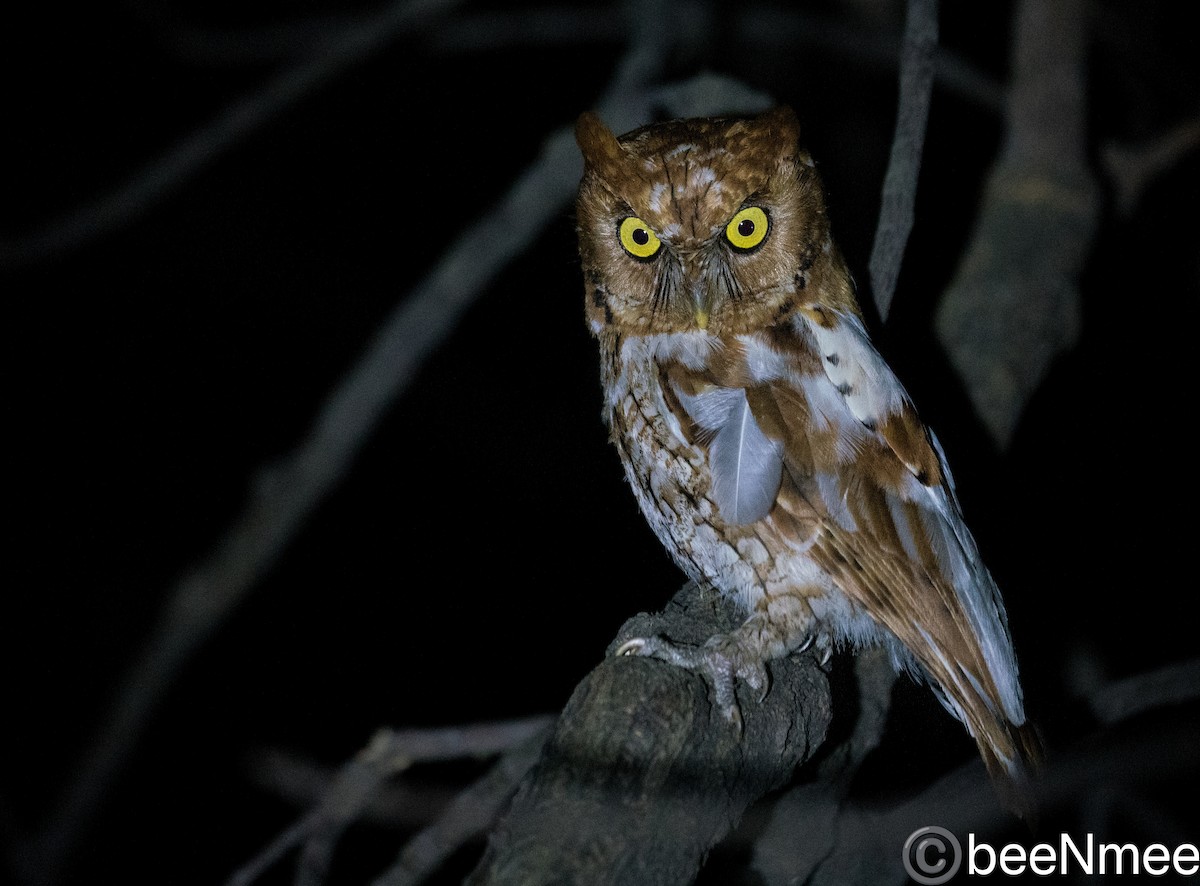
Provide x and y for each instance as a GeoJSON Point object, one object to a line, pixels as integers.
{"type": "Point", "coordinates": [771, 449]}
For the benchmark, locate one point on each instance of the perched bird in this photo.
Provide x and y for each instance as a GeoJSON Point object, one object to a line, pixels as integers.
{"type": "Point", "coordinates": [770, 447]}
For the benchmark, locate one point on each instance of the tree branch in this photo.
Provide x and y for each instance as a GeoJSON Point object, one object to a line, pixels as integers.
{"type": "Point", "coordinates": [468, 817]}
{"type": "Point", "coordinates": [1173, 684]}
{"type": "Point", "coordinates": [200, 148]}
{"type": "Point", "coordinates": [867, 839]}
{"type": "Point", "coordinates": [1013, 304]}
{"type": "Point", "coordinates": [345, 798]}
{"type": "Point", "coordinates": [786, 853]}
{"type": "Point", "coordinates": [643, 775]}
{"type": "Point", "coordinates": [1131, 167]}
{"type": "Point", "coordinates": [285, 493]}
{"type": "Point", "coordinates": [904, 164]}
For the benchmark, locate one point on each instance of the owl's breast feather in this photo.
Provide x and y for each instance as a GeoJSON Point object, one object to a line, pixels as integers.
{"type": "Point", "coordinates": [669, 470]}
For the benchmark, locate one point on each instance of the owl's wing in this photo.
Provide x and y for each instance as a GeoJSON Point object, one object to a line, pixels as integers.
{"type": "Point", "coordinates": [895, 538]}
{"type": "Point", "coordinates": [808, 430]}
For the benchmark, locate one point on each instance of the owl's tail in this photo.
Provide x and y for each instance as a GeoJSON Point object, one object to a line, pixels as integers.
{"type": "Point", "coordinates": [1012, 760]}
{"type": "Point", "coordinates": [1012, 752]}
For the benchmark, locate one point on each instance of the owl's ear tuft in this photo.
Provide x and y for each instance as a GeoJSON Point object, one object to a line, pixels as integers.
{"type": "Point", "coordinates": [600, 148]}
{"type": "Point", "coordinates": [783, 125]}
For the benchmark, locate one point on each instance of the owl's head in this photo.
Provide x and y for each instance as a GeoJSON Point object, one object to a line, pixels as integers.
{"type": "Point", "coordinates": [713, 224]}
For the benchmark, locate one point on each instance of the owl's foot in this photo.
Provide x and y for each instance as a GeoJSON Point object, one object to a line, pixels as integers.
{"type": "Point", "coordinates": [720, 660]}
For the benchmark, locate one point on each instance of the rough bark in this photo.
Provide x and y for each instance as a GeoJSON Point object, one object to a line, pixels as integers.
{"type": "Point", "coordinates": [643, 776]}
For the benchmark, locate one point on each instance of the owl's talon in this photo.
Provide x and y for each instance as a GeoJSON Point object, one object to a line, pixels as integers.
{"type": "Point", "coordinates": [754, 674]}
{"type": "Point", "coordinates": [632, 647]}
{"type": "Point", "coordinates": [824, 648]}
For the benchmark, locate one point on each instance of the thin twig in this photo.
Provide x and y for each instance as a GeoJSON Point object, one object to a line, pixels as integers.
{"type": "Point", "coordinates": [904, 165]}
{"type": "Point", "coordinates": [302, 782]}
{"type": "Point", "coordinates": [165, 174]}
{"type": "Point", "coordinates": [342, 799]}
{"type": "Point", "coordinates": [296, 834]}
{"type": "Point", "coordinates": [355, 785]}
{"type": "Point", "coordinates": [470, 815]}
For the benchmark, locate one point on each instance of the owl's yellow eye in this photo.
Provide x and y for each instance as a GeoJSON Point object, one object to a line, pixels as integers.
{"type": "Point", "coordinates": [748, 228]}
{"type": "Point", "coordinates": [637, 238]}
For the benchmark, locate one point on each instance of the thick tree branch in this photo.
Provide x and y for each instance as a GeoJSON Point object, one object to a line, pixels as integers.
{"type": "Point", "coordinates": [643, 775]}
{"type": "Point", "coordinates": [803, 828]}
{"type": "Point", "coordinates": [1014, 304]}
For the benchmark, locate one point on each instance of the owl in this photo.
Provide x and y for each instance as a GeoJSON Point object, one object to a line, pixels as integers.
{"type": "Point", "coordinates": [770, 447]}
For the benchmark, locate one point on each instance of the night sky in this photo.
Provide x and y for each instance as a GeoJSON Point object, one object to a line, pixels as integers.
{"type": "Point", "coordinates": [484, 549]}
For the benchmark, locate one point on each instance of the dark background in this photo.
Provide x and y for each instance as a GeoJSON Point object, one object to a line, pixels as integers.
{"type": "Point", "coordinates": [483, 550]}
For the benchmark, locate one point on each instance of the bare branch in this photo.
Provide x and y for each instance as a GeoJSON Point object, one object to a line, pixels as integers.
{"type": "Point", "coordinates": [467, 818]}
{"type": "Point", "coordinates": [302, 782]}
{"type": "Point", "coordinates": [1173, 684]}
{"type": "Point", "coordinates": [354, 786]}
{"type": "Point", "coordinates": [282, 41]}
{"type": "Point", "coordinates": [867, 840]}
{"type": "Point", "coordinates": [904, 165]}
{"type": "Point", "coordinates": [1131, 168]}
{"type": "Point", "coordinates": [1014, 303]}
{"type": "Point", "coordinates": [344, 799]}
{"type": "Point", "coordinates": [286, 493]}
{"type": "Point", "coordinates": [709, 94]}
{"type": "Point", "coordinates": [165, 174]}
{"type": "Point", "coordinates": [294, 836]}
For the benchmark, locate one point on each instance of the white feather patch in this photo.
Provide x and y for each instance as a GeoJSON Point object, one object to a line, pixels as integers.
{"type": "Point", "coordinates": [692, 349]}
{"type": "Point", "coordinates": [746, 464]}
{"type": "Point", "coordinates": [856, 369]}
{"type": "Point", "coordinates": [709, 409]}
{"type": "Point", "coordinates": [763, 362]}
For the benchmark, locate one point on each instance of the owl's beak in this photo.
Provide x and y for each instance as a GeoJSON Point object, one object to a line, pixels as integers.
{"type": "Point", "coordinates": [702, 302]}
